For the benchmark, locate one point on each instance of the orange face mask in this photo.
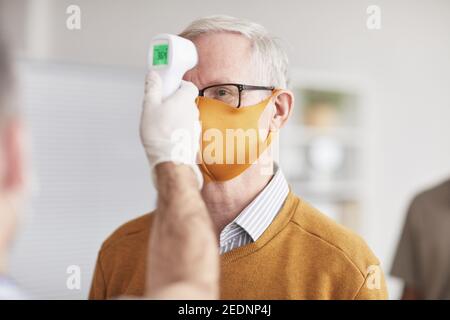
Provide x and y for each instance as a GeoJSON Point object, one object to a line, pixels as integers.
{"type": "Point", "coordinates": [231, 139]}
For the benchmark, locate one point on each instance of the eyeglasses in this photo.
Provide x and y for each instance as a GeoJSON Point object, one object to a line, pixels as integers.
{"type": "Point", "coordinates": [229, 93]}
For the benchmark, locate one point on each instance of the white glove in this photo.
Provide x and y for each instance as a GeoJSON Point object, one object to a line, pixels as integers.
{"type": "Point", "coordinates": [170, 129]}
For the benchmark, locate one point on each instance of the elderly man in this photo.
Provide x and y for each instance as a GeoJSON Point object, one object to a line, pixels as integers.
{"type": "Point", "coordinates": [272, 244]}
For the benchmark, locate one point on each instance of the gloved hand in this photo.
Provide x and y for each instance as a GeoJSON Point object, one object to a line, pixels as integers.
{"type": "Point", "coordinates": [170, 129]}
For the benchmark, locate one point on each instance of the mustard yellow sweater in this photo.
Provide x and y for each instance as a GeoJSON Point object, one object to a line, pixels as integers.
{"type": "Point", "coordinates": [302, 255]}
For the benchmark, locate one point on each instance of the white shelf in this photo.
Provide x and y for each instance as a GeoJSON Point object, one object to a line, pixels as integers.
{"type": "Point", "coordinates": [301, 136]}
{"type": "Point", "coordinates": [336, 189]}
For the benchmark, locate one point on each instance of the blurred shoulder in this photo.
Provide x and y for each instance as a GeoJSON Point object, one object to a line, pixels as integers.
{"type": "Point", "coordinates": [437, 193]}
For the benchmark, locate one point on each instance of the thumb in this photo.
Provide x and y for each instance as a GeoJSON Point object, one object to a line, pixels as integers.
{"type": "Point", "coordinates": [153, 88]}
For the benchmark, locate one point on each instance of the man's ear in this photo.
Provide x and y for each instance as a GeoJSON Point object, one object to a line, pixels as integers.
{"type": "Point", "coordinates": [284, 102]}
{"type": "Point", "coordinates": [11, 155]}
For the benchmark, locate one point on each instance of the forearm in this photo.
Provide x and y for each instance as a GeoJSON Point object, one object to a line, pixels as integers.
{"type": "Point", "coordinates": [183, 254]}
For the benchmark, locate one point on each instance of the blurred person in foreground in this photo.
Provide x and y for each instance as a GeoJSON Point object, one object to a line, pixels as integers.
{"type": "Point", "coordinates": [422, 260]}
{"type": "Point", "coordinates": [272, 244]}
{"type": "Point", "coordinates": [11, 171]}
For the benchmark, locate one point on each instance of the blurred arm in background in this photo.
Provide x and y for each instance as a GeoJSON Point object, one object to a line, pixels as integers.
{"type": "Point", "coordinates": [411, 293]}
{"type": "Point", "coordinates": [422, 260]}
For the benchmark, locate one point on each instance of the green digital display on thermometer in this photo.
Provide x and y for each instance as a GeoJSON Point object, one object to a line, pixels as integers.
{"type": "Point", "coordinates": [171, 56]}
{"type": "Point", "coordinates": [160, 54]}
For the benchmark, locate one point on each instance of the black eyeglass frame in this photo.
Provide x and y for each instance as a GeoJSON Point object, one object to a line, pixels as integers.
{"type": "Point", "coordinates": [241, 87]}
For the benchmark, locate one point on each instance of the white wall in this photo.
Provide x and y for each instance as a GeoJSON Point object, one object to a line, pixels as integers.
{"type": "Point", "coordinates": [90, 173]}
{"type": "Point", "coordinates": [407, 63]}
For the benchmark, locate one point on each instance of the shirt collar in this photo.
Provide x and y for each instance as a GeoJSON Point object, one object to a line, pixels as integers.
{"type": "Point", "coordinates": [259, 214]}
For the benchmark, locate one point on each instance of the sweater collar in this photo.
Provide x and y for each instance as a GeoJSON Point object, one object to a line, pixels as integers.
{"type": "Point", "coordinates": [290, 206]}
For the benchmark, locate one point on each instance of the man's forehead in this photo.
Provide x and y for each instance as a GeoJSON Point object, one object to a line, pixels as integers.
{"type": "Point", "coordinates": [222, 42]}
{"type": "Point", "coordinates": [223, 57]}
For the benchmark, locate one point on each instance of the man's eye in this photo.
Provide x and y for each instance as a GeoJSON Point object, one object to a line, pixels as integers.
{"type": "Point", "coordinates": [221, 92]}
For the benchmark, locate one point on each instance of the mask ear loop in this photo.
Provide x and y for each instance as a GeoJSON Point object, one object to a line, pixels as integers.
{"type": "Point", "coordinates": [267, 144]}
{"type": "Point", "coordinates": [274, 92]}
{"type": "Point", "coordinates": [270, 135]}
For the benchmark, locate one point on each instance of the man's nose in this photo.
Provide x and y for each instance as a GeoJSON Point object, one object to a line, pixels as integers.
{"type": "Point", "coordinates": [191, 76]}
{"type": "Point", "coordinates": [188, 76]}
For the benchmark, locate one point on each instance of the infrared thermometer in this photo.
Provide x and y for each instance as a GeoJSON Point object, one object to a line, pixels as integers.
{"type": "Point", "coordinates": [171, 57]}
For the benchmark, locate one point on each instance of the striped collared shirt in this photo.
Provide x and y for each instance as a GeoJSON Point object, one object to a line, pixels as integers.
{"type": "Point", "coordinates": [251, 223]}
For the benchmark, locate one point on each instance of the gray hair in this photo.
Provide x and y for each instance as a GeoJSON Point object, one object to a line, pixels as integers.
{"type": "Point", "coordinates": [269, 58]}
